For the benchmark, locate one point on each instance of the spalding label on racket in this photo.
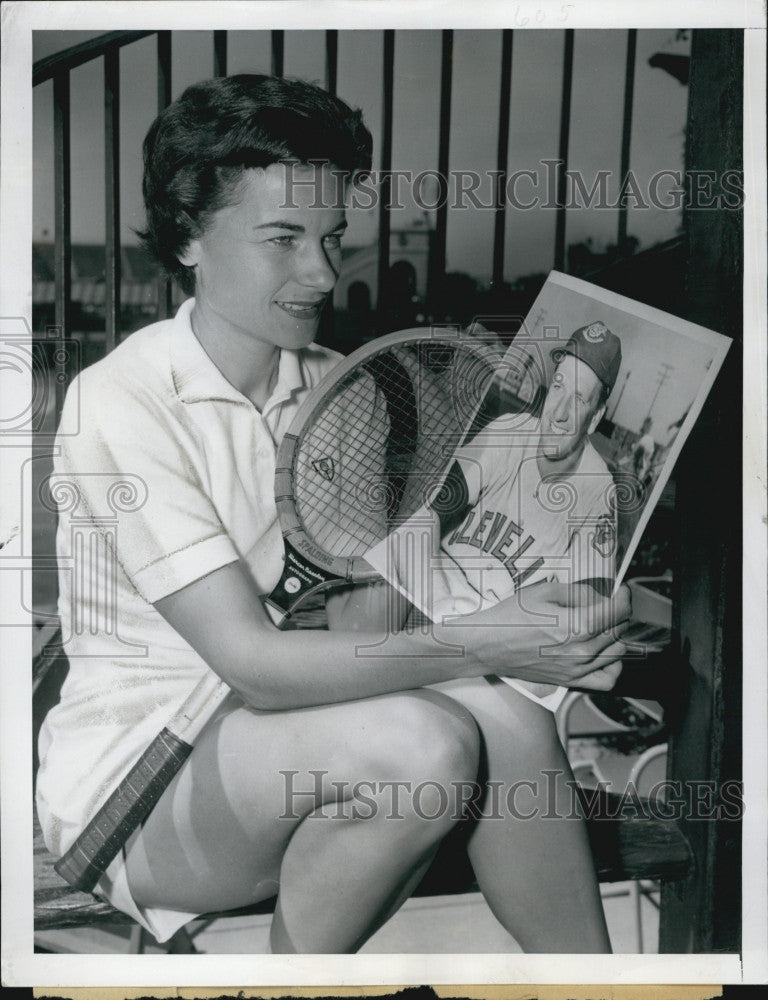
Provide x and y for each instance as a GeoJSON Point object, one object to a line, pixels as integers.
{"type": "Point", "coordinates": [368, 447]}
{"type": "Point", "coordinates": [299, 579]}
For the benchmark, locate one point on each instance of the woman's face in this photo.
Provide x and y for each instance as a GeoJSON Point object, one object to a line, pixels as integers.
{"type": "Point", "coordinates": [266, 264]}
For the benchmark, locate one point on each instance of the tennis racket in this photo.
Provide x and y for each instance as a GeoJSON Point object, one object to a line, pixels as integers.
{"type": "Point", "coordinates": [370, 446]}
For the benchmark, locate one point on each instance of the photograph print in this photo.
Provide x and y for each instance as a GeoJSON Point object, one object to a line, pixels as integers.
{"type": "Point", "coordinates": [321, 666]}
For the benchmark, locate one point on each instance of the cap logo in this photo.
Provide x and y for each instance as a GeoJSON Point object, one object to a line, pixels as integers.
{"type": "Point", "coordinates": [595, 333]}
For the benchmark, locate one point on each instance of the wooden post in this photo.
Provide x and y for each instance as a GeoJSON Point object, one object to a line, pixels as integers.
{"type": "Point", "coordinates": [702, 913]}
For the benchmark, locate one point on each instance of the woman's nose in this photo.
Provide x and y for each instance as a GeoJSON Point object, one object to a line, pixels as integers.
{"type": "Point", "coordinates": [316, 270]}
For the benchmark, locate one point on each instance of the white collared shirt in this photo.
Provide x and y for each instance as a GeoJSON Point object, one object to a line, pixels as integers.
{"type": "Point", "coordinates": [167, 477]}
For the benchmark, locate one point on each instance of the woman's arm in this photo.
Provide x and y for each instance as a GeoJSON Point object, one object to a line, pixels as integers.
{"type": "Point", "coordinates": [373, 607]}
{"type": "Point", "coordinates": [222, 618]}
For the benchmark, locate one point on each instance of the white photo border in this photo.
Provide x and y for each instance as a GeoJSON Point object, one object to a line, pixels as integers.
{"type": "Point", "coordinates": [20, 965]}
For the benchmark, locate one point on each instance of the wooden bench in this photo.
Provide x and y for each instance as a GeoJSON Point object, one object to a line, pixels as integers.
{"type": "Point", "coordinates": [628, 848]}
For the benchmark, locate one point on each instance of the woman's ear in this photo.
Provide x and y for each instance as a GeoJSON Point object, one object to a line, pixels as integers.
{"type": "Point", "coordinates": [190, 255]}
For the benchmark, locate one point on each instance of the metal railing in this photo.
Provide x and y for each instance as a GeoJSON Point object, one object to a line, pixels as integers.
{"type": "Point", "coordinates": [108, 48]}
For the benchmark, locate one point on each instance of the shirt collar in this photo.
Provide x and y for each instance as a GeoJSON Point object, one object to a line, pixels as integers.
{"type": "Point", "coordinates": [197, 379]}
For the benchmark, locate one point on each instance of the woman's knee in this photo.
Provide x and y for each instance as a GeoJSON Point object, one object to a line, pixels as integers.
{"type": "Point", "coordinates": [449, 735]}
{"type": "Point", "coordinates": [426, 740]}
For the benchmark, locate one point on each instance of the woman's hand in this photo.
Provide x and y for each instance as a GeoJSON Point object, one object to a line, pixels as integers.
{"type": "Point", "coordinates": [531, 636]}
{"type": "Point", "coordinates": [551, 633]}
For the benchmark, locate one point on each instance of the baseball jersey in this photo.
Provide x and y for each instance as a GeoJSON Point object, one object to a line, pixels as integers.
{"type": "Point", "coordinates": [522, 528]}
{"type": "Point", "coordinates": [519, 529]}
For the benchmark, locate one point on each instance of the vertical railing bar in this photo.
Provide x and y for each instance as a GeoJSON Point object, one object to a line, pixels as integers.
{"type": "Point", "coordinates": [626, 133]}
{"type": "Point", "coordinates": [331, 60]}
{"type": "Point", "coordinates": [278, 52]}
{"type": "Point", "coordinates": [165, 288]}
{"type": "Point", "coordinates": [163, 69]}
{"type": "Point", "coordinates": [565, 125]}
{"type": "Point", "coordinates": [441, 216]}
{"type": "Point", "coordinates": [219, 53]}
{"type": "Point", "coordinates": [112, 246]}
{"type": "Point", "coordinates": [327, 320]}
{"type": "Point", "coordinates": [63, 245]}
{"type": "Point", "coordinates": [388, 87]}
{"type": "Point", "coordinates": [502, 157]}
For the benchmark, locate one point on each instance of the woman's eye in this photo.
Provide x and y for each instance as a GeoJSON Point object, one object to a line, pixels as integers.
{"type": "Point", "coordinates": [334, 240]}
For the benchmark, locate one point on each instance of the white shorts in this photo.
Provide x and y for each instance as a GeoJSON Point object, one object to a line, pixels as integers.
{"type": "Point", "coordinates": [551, 700]}
{"type": "Point", "coordinates": [113, 888]}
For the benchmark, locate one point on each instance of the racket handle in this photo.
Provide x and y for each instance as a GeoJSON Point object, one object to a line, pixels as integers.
{"type": "Point", "coordinates": [133, 799]}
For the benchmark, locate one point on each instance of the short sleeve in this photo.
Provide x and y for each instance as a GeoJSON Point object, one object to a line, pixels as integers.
{"type": "Point", "coordinates": [485, 457]}
{"type": "Point", "coordinates": [133, 470]}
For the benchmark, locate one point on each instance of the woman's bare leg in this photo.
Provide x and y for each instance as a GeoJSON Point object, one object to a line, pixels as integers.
{"type": "Point", "coordinates": [305, 801]}
{"type": "Point", "coordinates": [536, 873]}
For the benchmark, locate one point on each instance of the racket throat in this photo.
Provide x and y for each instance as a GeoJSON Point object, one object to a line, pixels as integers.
{"type": "Point", "coordinates": [299, 579]}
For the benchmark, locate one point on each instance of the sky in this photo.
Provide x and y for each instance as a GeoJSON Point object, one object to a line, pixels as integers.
{"type": "Point", "coordinates": [659, 112]}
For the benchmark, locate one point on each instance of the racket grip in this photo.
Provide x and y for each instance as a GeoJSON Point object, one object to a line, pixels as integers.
{"type": "Point", "coordinates": [130, 803]}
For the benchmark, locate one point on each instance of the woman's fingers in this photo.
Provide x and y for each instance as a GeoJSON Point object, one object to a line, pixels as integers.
{"type": "Point", "coordinates": [602, 643]}
{"type": "Point", "coordinates": [622, 602]}
{"type": "Point", "coordinates": [602, 679]}
{"type": "Point", "coordinates": [615, 650]}
{"type": "Point", "coordinates": [605, 611]}
{"type": "Point", "coordinates": [606, 614]}
{"type": "Point", "coordinates": [589, 660]}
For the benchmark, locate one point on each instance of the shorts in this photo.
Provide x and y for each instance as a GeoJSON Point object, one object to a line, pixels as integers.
{"type": "Point", "coordinates": [551, 700]}
{"type": "Point", "coordinates": [112, 887]}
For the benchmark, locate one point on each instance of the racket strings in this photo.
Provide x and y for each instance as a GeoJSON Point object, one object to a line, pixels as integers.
{"type": "Point", "coordinates": [379, 444]}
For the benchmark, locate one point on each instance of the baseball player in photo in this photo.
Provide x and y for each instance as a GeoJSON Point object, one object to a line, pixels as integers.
{"type": "Point", "coordinates": [529, 499]}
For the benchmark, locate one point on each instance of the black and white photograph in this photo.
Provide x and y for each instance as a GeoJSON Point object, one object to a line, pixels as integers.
{"type": "Point", "coordinates": [382, 424]}
{"type": "Point", "coordinates": [557, 471]}
{"type": "Point", "coordinates": [653, 371]}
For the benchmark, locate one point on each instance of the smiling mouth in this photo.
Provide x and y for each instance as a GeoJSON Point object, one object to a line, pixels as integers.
{"type": "Point", "coordinates": [303, 310]}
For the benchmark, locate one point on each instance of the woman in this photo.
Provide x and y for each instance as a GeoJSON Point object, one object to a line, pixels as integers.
{"type": "Point", "coordinates": [290, 786]}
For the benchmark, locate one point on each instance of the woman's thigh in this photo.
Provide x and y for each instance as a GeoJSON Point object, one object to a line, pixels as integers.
{"type": "Point", "coordinates": [216, 838]}
{"type": "Point", "coordinates": [505, 717]}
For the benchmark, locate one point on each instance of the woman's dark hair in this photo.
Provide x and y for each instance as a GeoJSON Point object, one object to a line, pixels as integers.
{"type": "Point", "coordinates": [197, 149]}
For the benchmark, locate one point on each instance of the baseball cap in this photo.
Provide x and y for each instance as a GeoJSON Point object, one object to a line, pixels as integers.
{"type": "Point", "coordinates": [597, 347]}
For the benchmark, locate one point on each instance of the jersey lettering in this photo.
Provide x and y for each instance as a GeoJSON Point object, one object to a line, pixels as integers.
{"type": "Point", "coordinates": [509, 533]}
{"type": "Point", "coordinates": [504, 529]}
{"type": "Point", "coordinates": [457, 538]}
{"type": "Point", "coordinates": [475, 539]}
{"type": "Point", "coordinates": [510, 563]}
{"type": "Point", "coordinates": [493, 534]}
